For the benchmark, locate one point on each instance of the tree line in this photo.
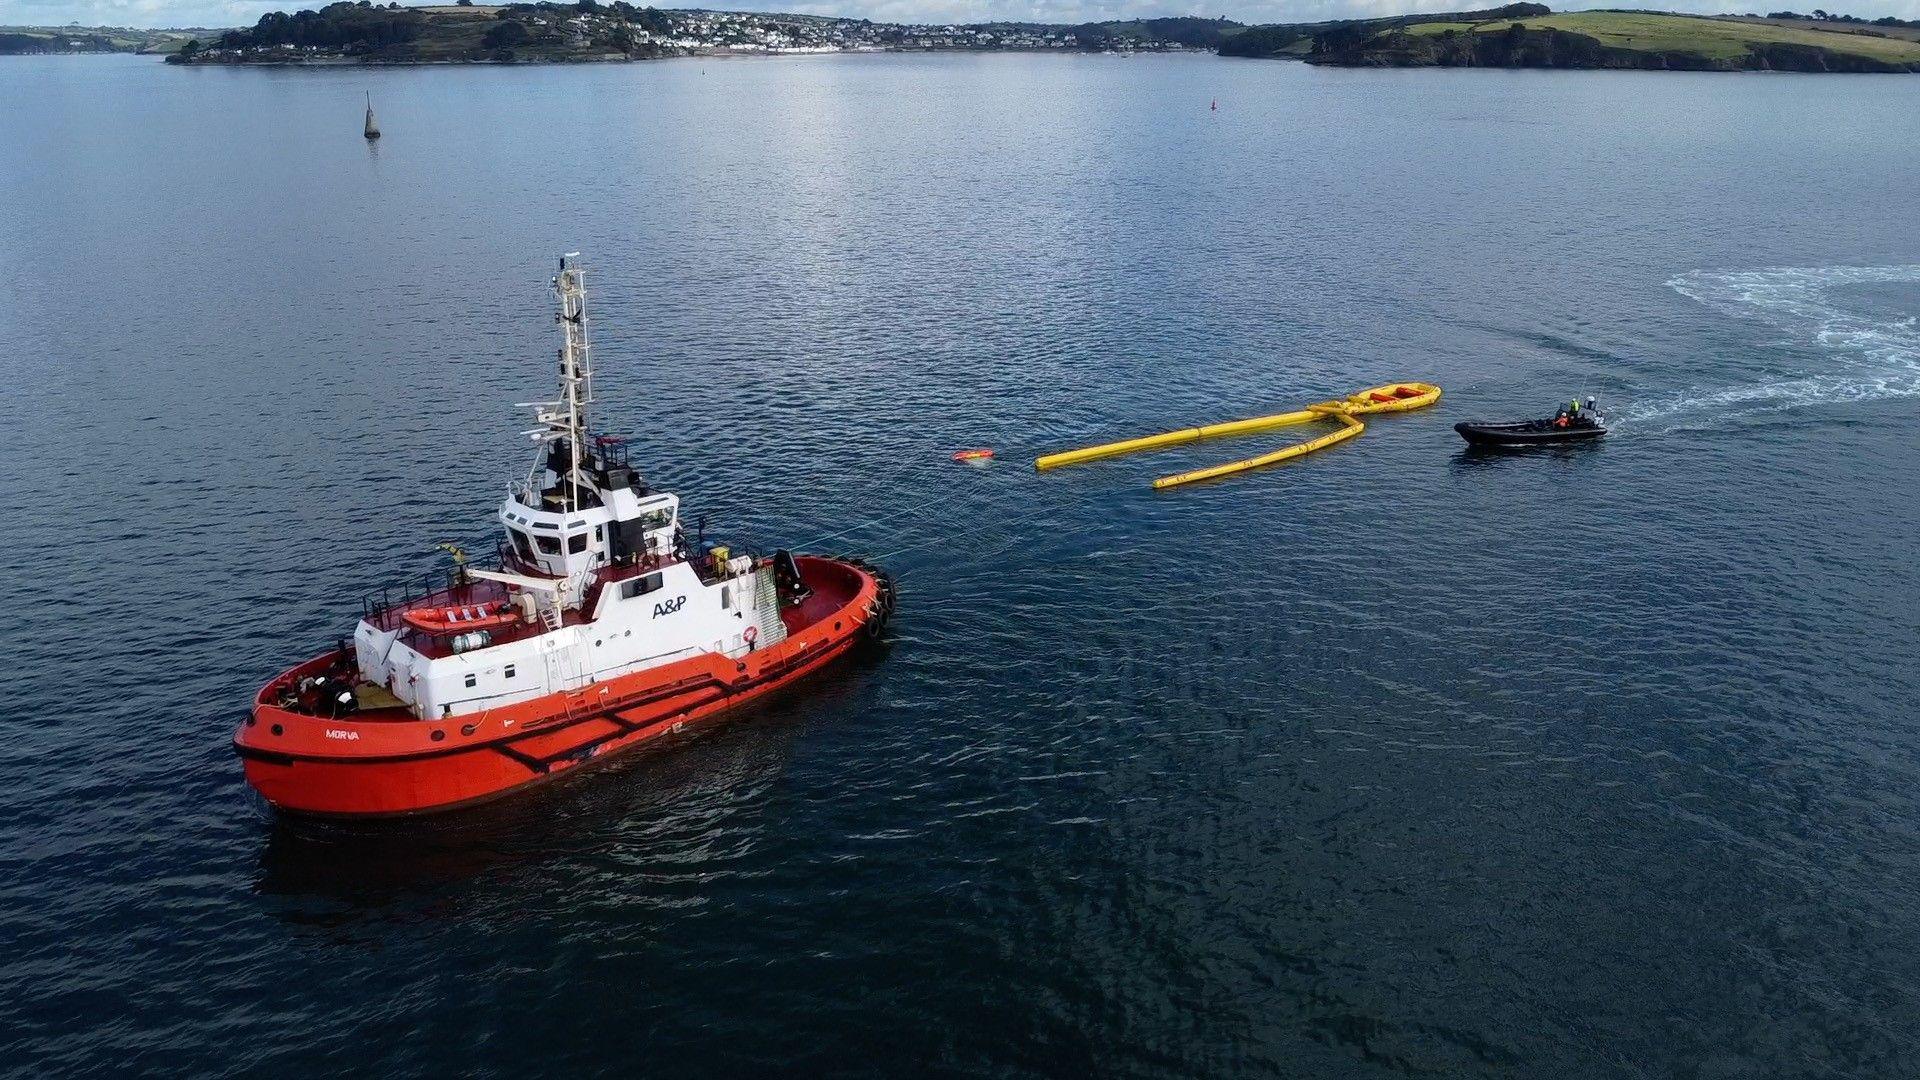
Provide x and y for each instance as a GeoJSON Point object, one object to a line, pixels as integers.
{"type": "Point", "coordinates": [1822, 16]}
{"type": "Point", "coordinates": [343, 25]}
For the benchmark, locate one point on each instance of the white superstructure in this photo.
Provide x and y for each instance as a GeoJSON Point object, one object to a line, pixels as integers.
{"type": "Point", "coordinates": [596, 581]}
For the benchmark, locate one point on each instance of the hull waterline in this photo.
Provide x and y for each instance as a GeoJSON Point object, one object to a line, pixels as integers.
{"type": "Point", "coordinates": [372, 768]}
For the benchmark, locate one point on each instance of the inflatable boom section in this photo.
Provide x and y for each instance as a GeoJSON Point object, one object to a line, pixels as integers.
{"type": "Point", "coordinates": [1393, 397]}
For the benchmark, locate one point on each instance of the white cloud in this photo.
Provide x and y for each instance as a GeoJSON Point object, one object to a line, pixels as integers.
{"type": "Point", "coordinates": [245, 12]}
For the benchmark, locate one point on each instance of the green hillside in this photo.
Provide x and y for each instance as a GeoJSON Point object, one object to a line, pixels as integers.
{"type": "Point", "coordinates": [1725, 39]}
{"type": "Point", "coordinates": [31, 40]}
{"type": "Point", "coordinates": [587, 30]}
{"type": "Point", "coordinates": [1530, 35]}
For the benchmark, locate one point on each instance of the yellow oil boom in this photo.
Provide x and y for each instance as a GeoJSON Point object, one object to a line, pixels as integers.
{"type": "Point", "coordinates": [1393, 397]}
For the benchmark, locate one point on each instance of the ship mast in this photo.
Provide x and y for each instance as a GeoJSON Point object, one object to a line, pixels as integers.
{"type": "Point", "coordinates": [565, 420]}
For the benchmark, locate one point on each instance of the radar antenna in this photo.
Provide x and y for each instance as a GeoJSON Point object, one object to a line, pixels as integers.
{"type": "Point", "coordinates": [564, 421]}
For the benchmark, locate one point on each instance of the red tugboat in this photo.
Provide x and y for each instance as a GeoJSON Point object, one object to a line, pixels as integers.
{"type": "Point", "coordinates": [601, 627]}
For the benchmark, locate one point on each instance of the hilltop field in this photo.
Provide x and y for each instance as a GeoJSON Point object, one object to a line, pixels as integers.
{"type": "Point", "coordinates": [1529, 35]}
{"type": "Point", "coordinates": [46, 40]}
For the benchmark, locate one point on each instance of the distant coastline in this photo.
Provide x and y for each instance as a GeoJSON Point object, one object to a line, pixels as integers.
{"type": "Point", "coordinates": [591, 32]}
{"type": "Point", "coordinates": [85, 40]}
{"type": "Point", "coordinates": [1520, 35]}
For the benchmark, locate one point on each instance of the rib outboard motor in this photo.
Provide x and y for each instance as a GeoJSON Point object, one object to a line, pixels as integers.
{"type": "Point", "coordinates": [786, 578]}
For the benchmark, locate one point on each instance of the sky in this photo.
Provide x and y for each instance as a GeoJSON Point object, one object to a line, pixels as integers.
{"type": "Point", "coordinates": [222, 13]}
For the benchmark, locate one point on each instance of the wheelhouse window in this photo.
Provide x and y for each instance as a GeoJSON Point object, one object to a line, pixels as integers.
{"type": "Point", "coordinates": [639, 586]}
{"type": "Point", "coordinates": [576, 543]}
{"type": "Point", "coordinates": [549, 545]}
{"type": "Point", "coordinates": [521, 545]}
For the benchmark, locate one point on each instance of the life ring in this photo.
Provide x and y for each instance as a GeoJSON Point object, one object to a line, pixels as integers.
{"type": "Point", "coordinates": [750, 635]}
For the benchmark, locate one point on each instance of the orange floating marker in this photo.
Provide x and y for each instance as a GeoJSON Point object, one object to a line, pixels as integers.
{"type": "Point", "coordinates": [973, 455]}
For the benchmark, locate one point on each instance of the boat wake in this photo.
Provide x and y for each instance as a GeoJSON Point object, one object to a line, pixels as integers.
{"type": "Point", "coordinates": [1871, 356]}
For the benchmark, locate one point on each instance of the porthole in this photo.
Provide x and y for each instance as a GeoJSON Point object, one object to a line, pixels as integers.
{"type": "Point", "coordinates": [437, 735]}
{"type": "Point", "coordinates": [466, 729]}
{"type": "Point", "coordinates": [509, 672]}
{"type": "Point", "coordinates": [473, 680]}
{"type": "Point", "coordinates": [278, 730]}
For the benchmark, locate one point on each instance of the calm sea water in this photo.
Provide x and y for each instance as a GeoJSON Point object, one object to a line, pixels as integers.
{"type": "Point", "coordinates": [1393, 760]}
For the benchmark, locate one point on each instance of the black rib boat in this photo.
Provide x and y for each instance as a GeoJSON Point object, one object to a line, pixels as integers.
{"type": "Point", "coordinates": [1531, 432]}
